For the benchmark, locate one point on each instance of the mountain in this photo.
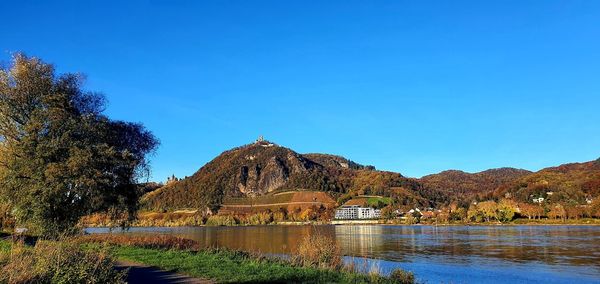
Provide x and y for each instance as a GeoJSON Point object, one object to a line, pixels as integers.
{"type": "Point", "coordinates": [264, 167]}
{"type": "Point", "coordinates": [572, 183]}
{"type": "Point", "coordinates": [461, 185]}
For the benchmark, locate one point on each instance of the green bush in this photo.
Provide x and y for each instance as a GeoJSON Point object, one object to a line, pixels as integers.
{"type": "Point", "coordinates": [402, 277]}
{"type": "Point", "coordinates": [218, 220]}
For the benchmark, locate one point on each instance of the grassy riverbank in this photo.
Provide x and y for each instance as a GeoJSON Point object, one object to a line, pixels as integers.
{"type": "Point", "coordinates": [226, 266]}
{"type": "Point", "coordinates": [317, 262]}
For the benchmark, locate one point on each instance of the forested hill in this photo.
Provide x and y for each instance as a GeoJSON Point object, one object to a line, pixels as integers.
{"type": "Point", "coordinates": [569, 183]}
{"type": "Point", "coordinates": [264, 167]}
{"type": "Point", "coordinates": [459, 185]}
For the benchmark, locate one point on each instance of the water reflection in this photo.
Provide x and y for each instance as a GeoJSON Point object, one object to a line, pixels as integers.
{"type": "Point", "coordinates": [360, 240]}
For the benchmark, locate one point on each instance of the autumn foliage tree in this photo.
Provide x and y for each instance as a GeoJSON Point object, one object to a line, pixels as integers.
{"type": "Point", "coordinates": [557, 212]}
{"type": "Point", "coordinates": [506, 210]}
{"type": "Point", "coordinates": [503, 211]}
{"type": "Point", "coordinates": [60, 156]}
{"type": "Point", "coordinates": [531, 211]}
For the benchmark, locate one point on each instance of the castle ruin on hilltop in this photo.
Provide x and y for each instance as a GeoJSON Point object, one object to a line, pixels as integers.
{"type": "Point", "coordinates": [262, 142]}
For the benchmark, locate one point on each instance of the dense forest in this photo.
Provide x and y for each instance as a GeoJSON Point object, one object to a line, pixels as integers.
{"type": "Point", "coordinates": [571, 184]}
{"type": "Point", "coordinates": [464, 187]}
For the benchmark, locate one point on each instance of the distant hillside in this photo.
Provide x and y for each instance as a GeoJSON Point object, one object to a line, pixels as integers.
{"type": "Point", "coordinates": [461, 185]}
{"type": "Point", "coordinates": [568, 183]}
{"type": "Point", "coordinates": [264, 167]}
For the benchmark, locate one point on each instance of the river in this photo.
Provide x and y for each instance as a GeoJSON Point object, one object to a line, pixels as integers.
{"type": "Point", "coordinates": [436, 254]}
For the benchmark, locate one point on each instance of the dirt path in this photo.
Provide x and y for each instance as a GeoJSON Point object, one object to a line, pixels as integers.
{"type": "Point", "coordinates": [143, 274]}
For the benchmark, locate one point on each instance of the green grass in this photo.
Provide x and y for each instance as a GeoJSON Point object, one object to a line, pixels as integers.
{"type": "Point", "coordinates": [5, 245]}
{"type": "Point", "coordinates": [372, 201]}
{"type": "Point", "coordinates": [230, 266]}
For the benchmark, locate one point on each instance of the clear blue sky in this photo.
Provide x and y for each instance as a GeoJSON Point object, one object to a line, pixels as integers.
{"type": "Point", "coordinates": [410, 86]}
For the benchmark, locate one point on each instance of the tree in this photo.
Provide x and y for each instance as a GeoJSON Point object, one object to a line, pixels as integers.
{"type": "Point", "coordinates": [574, 211]}
{"type": "Point", "coordinates": [61, 157]}
{"type": "Point", "coordinates": [530, 211]}
{"type": "Point", "coordinates": [489, 209]}
{"type": "Point", "coordinates": [483, 211]}
{"type": "Point", "coordinates": [387, 213]}
{"type": "Point", "coordinates": [458, 214]}
{"type": "Point", "coordinates": [506, 210]}
{"type": "Point", "coordinates": [557, 212]}
{"type": "Point", "coordinates": [595, 208]}
{"type": "Point", "coordinates": [475, 214]}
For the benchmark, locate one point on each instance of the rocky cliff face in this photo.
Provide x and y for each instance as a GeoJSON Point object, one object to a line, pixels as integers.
{"type": "Point", "coordinates": [261, 168]}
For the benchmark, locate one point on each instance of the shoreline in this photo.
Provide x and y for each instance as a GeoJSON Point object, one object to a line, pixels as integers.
{"type": "Point", "coordinates": [363, 223]}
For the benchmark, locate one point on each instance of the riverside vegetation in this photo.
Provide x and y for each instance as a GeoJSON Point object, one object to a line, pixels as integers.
{"type": "Point", "coordinates": [318, 260]}
{"type": "Point", "coordinates": [505, 211]}
{"type": "Point", "coordinates": [56, 262]}
{"type": "Point", "coordinates": [91, 258]}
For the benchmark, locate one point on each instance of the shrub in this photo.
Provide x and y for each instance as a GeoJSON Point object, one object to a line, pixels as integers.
{"type": "Point", "coordinates": [319, 251]}
{"type": "Point", "coordinates": [402, 277]}
{"type": "Point", "coordinates": [220, 220]}
{"type": "Point", "coordinates": [279, 217]}
{"type": "Point", "coordinates": [57, 262]}
{"type": "Point", "coordinates": [262, 218]}
{"type": "Point", "coordinates": [144, 241]}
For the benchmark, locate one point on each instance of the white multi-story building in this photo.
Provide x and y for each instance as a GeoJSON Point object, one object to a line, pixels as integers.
{"type": "Point", "coordinates": [354, 212]}
{"type": "Point", "coordinates": [347, 212]}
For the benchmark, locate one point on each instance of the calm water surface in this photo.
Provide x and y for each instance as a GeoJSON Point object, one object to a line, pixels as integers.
{"type": "Point", "coordinates": [444, 254]}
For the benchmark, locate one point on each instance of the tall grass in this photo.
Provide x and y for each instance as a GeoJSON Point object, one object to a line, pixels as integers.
{"type": "Point", "coordinates": [143, 241]}
{"type": "Point", "coordinates": [317, 250]}
{"type": "Point", "coordinates": [147, 219]}
{"type": "Point", "coordinates": [57, 262]}
{"type": "Point", "coordinates": [320, 251]}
